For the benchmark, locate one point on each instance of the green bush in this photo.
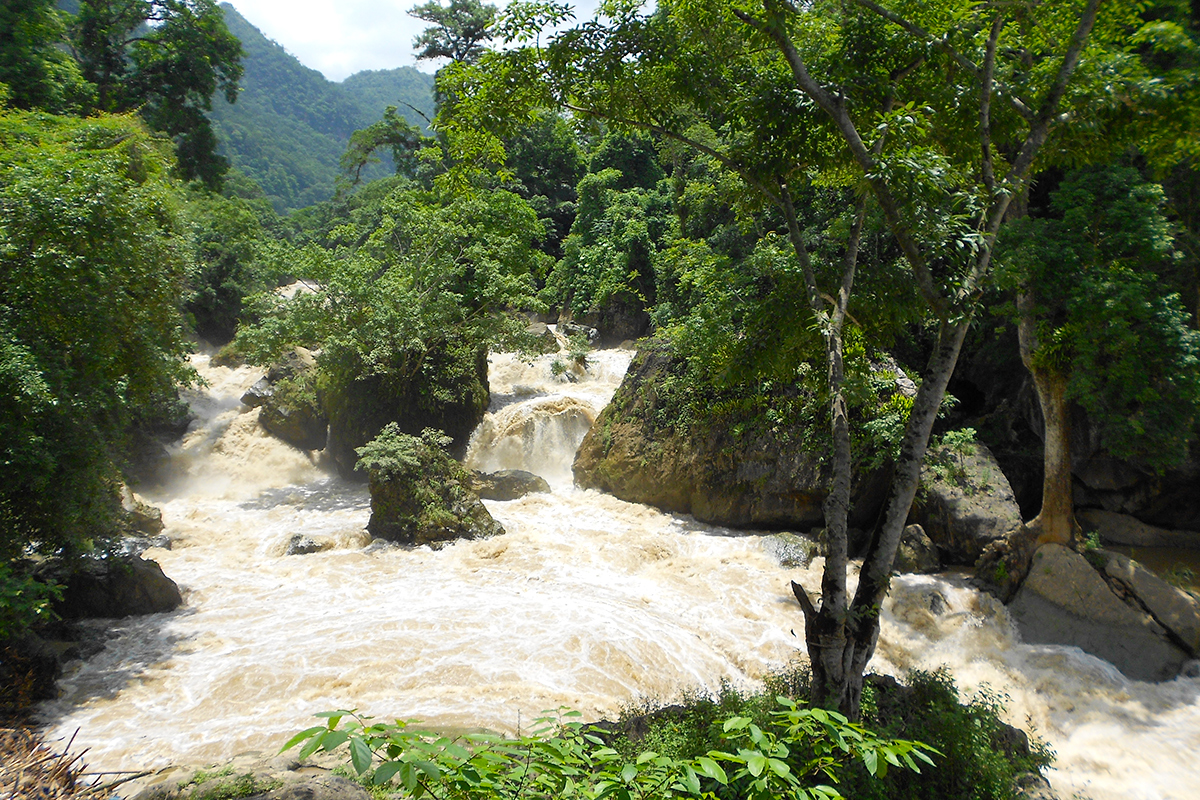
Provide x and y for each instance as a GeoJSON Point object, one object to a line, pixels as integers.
{"type": "Point", "coordinates": [800, 753]}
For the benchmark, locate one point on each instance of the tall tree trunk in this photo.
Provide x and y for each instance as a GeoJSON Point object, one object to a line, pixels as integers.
{"type": "Point", "coordinates": [1056, 520]}
{"type": "Point", "coordinates": [861, 624]}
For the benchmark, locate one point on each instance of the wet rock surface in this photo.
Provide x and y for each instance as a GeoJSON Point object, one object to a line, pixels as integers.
{"type": "Point", "coordinates": [113, 587]}
{"type": "Point", "coordinates": [965, 503]}
{"type": "Point", "coordinates": [1066, 600]}
{"type": "Point", "coordinates": [743, 476]}
{"type": "Point", "coordinates": [507, 484]}
{"type": "Point", "coordinates": [1123, 529]}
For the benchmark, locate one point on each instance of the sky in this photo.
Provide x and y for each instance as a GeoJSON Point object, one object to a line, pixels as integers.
{"type": "Point", "coordinates": [341, 37]}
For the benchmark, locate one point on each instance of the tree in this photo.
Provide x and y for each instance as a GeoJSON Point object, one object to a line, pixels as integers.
{"type": "Point", "coordinates": [38, 73]}
{"type": "Point", "coordinates": [92, 261]}
{"type": "Point", "coordinates": [939, 113]}
{"type": "Point", "coordinates": [1100, 329]}
{"type": "Point", "coordinates": [166, 58]}
{"type": "Point", "coordinates": [458, 31]}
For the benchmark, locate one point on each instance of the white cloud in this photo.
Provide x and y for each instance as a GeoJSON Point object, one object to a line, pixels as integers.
{"type": "Point", "coordinates": [339, 38]}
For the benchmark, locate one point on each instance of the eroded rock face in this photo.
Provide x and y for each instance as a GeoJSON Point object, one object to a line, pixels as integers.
{"type": "Point", "coordinates": [291, 406]}
{"type": "Point", "coordinates": [759, 476]}
{"type": "Point", "coordinates": [1066, 600]}
{"type": "Point", "coordinates": [965, 503]}
{"type": "Point", "coordinates": [507, 484]}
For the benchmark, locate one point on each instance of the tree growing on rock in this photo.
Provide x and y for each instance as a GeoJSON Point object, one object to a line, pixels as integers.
{"type": "Point", "coordinates": [1098, 329]}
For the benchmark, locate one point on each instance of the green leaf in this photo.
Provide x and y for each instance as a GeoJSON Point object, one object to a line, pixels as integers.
{"type": "Point", "coordinates": [691, 781]}
{"type": "Point", "coordinates": [629, 772]}
{"type": "Point", "coordinates": [870, 761]}
{"type": "Point", "coordinates": [386, 771]}
{"type": "Point", "coordinates": [360, 755]}
{"type": "Point", "coordinates": [756, 763]}
{"type": "Point", "coordinates": [713, 770]}
{"type": "Point", "coordinates": [736, 723]}
{"type": "Point", "coordinates": [301, 736]}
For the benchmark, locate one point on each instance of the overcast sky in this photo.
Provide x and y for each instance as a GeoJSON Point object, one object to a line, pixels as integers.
{"type": "Point", "coordinates": [341, 37]}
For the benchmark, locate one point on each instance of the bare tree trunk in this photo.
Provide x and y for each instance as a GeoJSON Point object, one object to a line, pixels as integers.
{"type": "Point", "coordinates": [1056, 520]}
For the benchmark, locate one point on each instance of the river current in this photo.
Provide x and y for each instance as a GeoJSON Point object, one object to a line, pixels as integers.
{"type": "Point", "coordinates": [586, 601]}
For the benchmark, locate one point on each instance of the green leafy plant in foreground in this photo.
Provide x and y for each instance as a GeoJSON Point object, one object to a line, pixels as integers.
{"type": "Point", "coordinates": [799, 755]}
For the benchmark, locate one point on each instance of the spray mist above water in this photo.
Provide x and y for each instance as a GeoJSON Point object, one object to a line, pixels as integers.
{"type": "Point", "coordinates": [587, 601]}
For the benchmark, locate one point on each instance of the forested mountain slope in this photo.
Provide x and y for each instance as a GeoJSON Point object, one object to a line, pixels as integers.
{"type": "Point", "coordinates": [290, 125]}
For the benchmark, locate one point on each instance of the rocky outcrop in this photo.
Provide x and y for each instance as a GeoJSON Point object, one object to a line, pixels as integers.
{"type": "Point", "coordinates": [507, 484]}
{"type": "Point", "coordinates": [291, 405]}
{"type": "Point", "coordinates": [249, 776]}
{"type": "Point", "coordinates": [1110, 607]}
{"type": "Point", "coordinates": [755, 474]}
{"type": "Point", "coordinates": [116, 586]}
{"type": "Point", "coordinates": [1123, 529]}
{"type": "Point", "coordinates": [917, 553]}
{"type": "Point", "coordinates": [965, 502]}
{"type": "Point", "coordinates": [419, 494]}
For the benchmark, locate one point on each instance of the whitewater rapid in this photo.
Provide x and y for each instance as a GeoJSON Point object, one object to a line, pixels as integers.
{"type": "Point", "coordinates": [586, 601]}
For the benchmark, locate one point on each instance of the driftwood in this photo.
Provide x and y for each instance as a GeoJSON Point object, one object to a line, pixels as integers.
{"type": "Point", "coordinates": [30, 769]}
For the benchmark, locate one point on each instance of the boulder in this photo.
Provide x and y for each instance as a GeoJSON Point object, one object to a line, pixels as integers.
{"type": "Point", "coordinates": [507, 484]}
{"type": "Point", "coordinates": [1172, 608]}
{"type": "Point", "coordinates": [295, 417]}
{"type": "Point", "coordinates": [544, 340]}
{"type": "Point", "coordinates": [917, 553]}
{"type": "Point", "coordinates": [419, 494]}
{"type": "Point", "coordinates": [790, 549]}
{"type": "Point", "coordinates": [301, 545]}
{"type": "Point", "coordinates": [115, 586]}
{"type": "Point", "coordinates": [744, 472]}
{"type": "Point", "coordinates": [570, 329]}
{"type": "Point", "coordinates": [965, 503]}
{"type": "Point", "coordinates": [259, 393]}
{"type": "Point", "coordinates": [1065, 600]}
{"type": "Point", "coordinates": [1123, 529]}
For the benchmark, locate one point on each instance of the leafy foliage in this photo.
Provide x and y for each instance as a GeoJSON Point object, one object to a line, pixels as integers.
{"type": "Point", "coordinates": [792, 757]}
{"type": "Point", "coordinates": [23, 602]}
{"type": "Point", "coordinates": [92, 262]}
{"type": "Point", "coordinates": [1099, 263]}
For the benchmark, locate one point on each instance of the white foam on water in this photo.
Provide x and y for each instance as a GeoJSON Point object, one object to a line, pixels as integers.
{"type": "Point", "coordinates": [586, 601]}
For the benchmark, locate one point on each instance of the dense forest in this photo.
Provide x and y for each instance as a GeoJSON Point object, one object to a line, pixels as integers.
{"type": "Point", "coordinates": [290, 126]}
{"type": "Point", "coordinates": [785, 196]}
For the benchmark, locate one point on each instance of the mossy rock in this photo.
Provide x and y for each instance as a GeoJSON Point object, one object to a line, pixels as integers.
{"type": "Point", "coordinates": [419, 494]}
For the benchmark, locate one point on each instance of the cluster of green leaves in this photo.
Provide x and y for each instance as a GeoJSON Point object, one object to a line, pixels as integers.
{"type": "Point", "coordinates": [23, 602]}
{"type": "Point", "coordinates": [1100, 261]}
{"type": "Point", "coordinates": [394, 455]}
{"type": "Point", "coordinates": [799, 754]}
{"type": "Point", "coordinates": [93, 257]}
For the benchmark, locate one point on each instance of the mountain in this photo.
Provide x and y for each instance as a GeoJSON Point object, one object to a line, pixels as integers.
{"type": "Point", "coordinates": [290, 124]}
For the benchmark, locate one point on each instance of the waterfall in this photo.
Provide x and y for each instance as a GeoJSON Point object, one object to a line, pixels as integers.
{"type": "Point", "coordinates": [587, 601]}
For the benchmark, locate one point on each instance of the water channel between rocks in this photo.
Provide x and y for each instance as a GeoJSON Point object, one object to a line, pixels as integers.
{"type": "Point", "coordinates": [587, 602]}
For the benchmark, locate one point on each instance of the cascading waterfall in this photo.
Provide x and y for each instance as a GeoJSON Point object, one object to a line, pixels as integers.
{"type": "Point", "coordinates": [587, 601]}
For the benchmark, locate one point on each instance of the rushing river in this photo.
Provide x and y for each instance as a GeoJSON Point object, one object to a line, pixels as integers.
{"type": "Point", "coordinates": [587, 602]}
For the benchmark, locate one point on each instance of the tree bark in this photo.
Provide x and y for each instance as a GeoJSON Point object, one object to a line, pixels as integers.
{"type": "Point", "coordinates": [1055, 521]}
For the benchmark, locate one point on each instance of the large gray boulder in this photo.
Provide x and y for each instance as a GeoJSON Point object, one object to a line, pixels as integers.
{"type": "Point", "coordinates": [291, 406]}
{"type": "Point", "coordinates": [116, 586]}
{"type": "Point", "coordinates": [965, 503]}
{"type": "Point", "coordinates": [507, 484]}
{"type": "Point", "coordinates": [1065, 600]}
{"type": "Point", "coordinates": [1172, 608]}
{"type": "Point", "coordinates": [1114, 528]}
{"type": "Point", "coordinates": [744, 472]}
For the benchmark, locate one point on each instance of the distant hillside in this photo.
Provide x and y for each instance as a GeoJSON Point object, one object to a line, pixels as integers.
{"type": "Point", "coordinates": [290, 125]}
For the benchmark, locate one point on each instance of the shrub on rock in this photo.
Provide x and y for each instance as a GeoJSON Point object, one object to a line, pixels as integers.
{"type": "Point", "coordinates": [419, 494]}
